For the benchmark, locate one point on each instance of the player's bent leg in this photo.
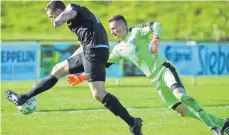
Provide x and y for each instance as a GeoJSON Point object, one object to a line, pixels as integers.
{"type": "Point", "coordinates": [193, 106]}
{"type": "Point", "coordinates": [173, 103]}
{"type": "Point", "coordinates": [48, 82]}
{"type": "Point", "coordinates": [110, 101]}
{"type": "Point", "coordinates": [184, 111]}
{"type": "Point", "coordinates": [172, 80]}
{"type": "Point", "coordinates": [113, 104]}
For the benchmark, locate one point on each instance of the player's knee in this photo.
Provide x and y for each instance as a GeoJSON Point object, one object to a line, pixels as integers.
{"type": "Point", "coordinates": [97, 89]}
{"type": "Point", "coordinates": [181, 110]}
{"type": "Point", "coordinates": [55, 68]}
{"type": "Point", "coordinates": [181, 113]}
{"type": "Point", "coordinates": [97, 95]}
{"type": "Point", "coordinates": [59, 70]}
{"type": "Point", "coordinates": [178, 92]}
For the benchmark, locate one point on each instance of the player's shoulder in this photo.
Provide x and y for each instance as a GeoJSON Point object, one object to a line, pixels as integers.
{"type": "Point", "coordinates": [117, 45]}
{"type": "Point", "coordinates": [72, 6]}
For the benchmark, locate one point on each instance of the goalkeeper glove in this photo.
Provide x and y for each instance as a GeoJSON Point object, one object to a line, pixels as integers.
{"type": "Point", "coordinates": [154, 44]}
{"type": "Point", "coordinates": [76, 79]}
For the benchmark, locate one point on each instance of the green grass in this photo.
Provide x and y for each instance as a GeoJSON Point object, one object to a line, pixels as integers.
{"type": "Point", "coordinates": [181, 20]}
{"type": "Point", "coordinates": [67, 110]}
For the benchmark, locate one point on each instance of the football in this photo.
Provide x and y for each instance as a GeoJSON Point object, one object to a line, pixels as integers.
{"type": "Point", "coordinates": [28, 107]}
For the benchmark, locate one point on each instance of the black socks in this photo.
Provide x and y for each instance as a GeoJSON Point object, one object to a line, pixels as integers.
{"type": "Point", "coordinates": [45, 84]}
{"type": "Point", "coordinates": [113, 104]}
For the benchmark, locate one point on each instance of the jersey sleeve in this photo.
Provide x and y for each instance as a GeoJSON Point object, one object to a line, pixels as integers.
{"type": "Point", "coordinates": [73, 7]}
{"type": "Point", "coordinates": [114, 56]}
{"type": "Point", "coordinates": [152, 27]}
{"type": "Point", "coordinates": [157, 28]}
{"type": "Point", "coordinates": [83, 11]}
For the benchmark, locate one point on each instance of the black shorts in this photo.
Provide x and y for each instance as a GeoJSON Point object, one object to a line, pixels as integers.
{"type": "Point", "coordinates": [92, 62]}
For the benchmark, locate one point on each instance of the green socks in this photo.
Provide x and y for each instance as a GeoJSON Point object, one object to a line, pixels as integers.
{"type": "Point", "coordinates": [197, 110]}
{"type": "Point", "coordinates": [217, 121]}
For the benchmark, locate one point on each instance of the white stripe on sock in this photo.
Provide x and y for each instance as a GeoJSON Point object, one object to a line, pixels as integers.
{"type": "Point", "coordinates": [226, 130]}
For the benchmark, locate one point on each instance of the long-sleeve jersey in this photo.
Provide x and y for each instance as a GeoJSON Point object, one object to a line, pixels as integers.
{"type": "Point", "coordinates": [135, 47]}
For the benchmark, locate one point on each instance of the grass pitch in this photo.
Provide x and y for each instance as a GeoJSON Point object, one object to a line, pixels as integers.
{"type": "Point", "coordinates": [67, 110]}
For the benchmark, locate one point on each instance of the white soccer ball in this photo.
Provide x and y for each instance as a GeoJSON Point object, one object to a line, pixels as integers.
{"type": "Point", "coordinates": [28, 107]}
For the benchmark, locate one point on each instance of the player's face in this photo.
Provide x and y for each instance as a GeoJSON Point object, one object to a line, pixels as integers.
{"type": "Point", "coordinates": [117, 29]}
{"type": "Point", "coordinates": [52, 14]}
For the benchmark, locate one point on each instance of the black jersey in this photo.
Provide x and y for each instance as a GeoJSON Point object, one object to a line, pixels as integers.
{"type": "Point", "coordinates": [87, 27]}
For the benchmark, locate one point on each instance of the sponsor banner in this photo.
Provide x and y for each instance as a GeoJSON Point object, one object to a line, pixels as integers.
{"type": "Point", "coordinates": [19, 61]}
{"type": "Point", "coordinates": [202, 59]}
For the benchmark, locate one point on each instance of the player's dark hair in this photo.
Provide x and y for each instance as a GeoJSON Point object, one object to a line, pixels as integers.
{"type": "Point", "coordinates": [55, 4]}
{"type": "Point", "coordinates": [117, 18]}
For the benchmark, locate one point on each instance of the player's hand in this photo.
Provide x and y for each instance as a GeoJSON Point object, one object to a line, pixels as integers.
{"type": "Point", "coordinates": [76, 79]}
{"type": "Point", "coordinates": [57, 23]}
{"type": "Point", "coordinates": [154, 44]}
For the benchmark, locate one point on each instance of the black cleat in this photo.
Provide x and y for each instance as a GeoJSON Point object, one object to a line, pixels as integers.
{"type": "Point", "coordinates": [14, 98]}
{"type": "Point", "coordinates": [217, 131]}
{"type": "Point", "coordinates": [226, 126]}
{"type": "Point", "coordinates": [137, 128]}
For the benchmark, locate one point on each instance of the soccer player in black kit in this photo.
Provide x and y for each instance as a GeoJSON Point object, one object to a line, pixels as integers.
{"type": "Point", "coordinates": [90, 58]}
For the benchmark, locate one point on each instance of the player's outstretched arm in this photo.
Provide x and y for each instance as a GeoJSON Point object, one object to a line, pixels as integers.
{"type": "Point", "coordinates": [156, 29]}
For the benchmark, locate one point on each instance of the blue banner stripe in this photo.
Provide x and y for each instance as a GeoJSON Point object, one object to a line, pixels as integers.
{"type": "Point", "coordinates": [19, 62]}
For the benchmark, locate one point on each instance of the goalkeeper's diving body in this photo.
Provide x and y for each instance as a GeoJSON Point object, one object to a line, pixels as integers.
{"type": "Point", "coordinates": [94, 53]}
{"type": "Point", "coordinates": [139, 44]}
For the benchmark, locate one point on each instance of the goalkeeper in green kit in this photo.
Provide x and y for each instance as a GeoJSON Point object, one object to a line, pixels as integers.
{"type": "Point", "coordinates": [139, 44]}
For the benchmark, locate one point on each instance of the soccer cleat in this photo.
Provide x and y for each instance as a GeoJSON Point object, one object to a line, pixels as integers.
{"type": "Point", "coordinates": [137, 128]}
{"type": "Point", "coordinates": [217, 131]}
{"type": "Point", "coordinates": [14, 98]}
{"type": "Point", "coordinates": [226, 126]}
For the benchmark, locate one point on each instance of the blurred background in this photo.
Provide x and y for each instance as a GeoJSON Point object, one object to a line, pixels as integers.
{"type": "Point", "coordinates": [185, 23]}
{"type": "Point", "coordinates": [196, 20]}
{"type": "Point", "coordinates": [195, 38]}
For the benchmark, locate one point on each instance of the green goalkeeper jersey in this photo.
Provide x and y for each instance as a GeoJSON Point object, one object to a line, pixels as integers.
{"type": "Point", "coordinates": [135, 47]}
